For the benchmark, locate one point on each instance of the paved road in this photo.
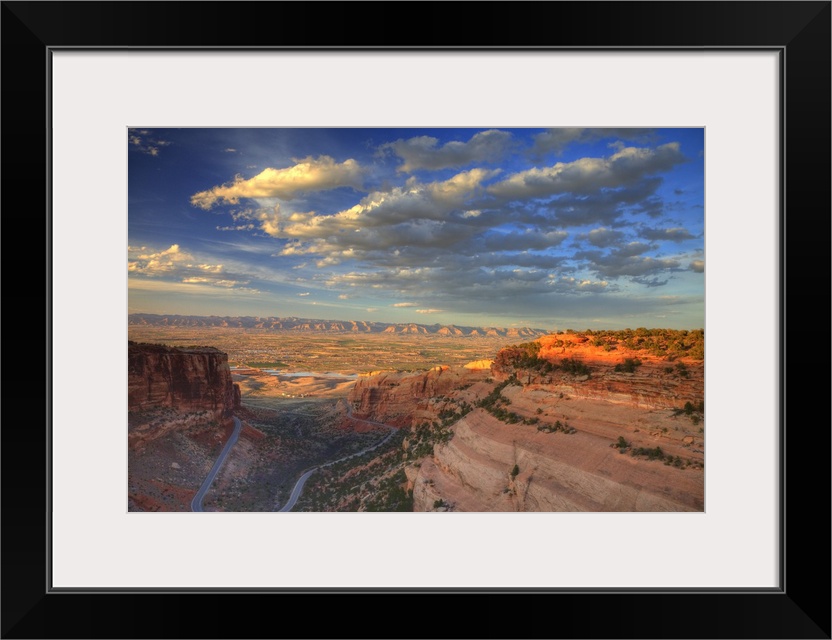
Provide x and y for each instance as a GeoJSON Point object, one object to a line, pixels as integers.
{"type": "Point", "coordinates": [196, 503]}
{"type": "Point", "coordinates": [298, 488]}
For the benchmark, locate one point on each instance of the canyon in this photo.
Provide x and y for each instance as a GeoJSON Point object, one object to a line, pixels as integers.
{"type": "Point", "coordinates": [564, 422]}
{"type": "Point", "coordinates": [179, 407]}
{"type": "Point", "coordinates": [179, 417]}
{"type": "Point", "coordinates": [609, 430]}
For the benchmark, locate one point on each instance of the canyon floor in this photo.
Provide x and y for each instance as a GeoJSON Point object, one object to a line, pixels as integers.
{"type": "Point", "coordinates": [281, 438]}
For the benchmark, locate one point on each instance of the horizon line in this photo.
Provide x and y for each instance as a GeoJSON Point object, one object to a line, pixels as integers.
{"type": "Point", "coordinates": [437, 324]}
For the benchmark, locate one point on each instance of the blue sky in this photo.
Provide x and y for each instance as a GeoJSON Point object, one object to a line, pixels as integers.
{"type": "Point", "coordinates": [549, 228]}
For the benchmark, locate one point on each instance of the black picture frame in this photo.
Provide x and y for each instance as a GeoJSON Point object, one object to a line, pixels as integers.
{"type": "Point", "coordinates": [799, 31]}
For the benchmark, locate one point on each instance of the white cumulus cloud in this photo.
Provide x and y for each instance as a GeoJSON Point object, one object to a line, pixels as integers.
{"type": "Point", "coordinates": [308, 174]}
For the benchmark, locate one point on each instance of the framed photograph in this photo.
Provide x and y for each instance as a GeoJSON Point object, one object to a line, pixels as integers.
{"type": "Point", "coordinates": [397, 310]}
{"type": "Point", "coordinates": [96, 82]}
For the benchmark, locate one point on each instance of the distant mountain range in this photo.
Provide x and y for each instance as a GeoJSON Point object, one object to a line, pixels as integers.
{"type": "Point", "coordinates": [329, 326]}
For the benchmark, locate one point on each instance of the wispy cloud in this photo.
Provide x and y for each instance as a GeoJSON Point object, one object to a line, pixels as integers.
{"type": "Point", "coordinates": [142, 140]}
{"type": "Point", "coordinates": [176, 264]}
{"type": "Point", "coordinates": [209, 290]}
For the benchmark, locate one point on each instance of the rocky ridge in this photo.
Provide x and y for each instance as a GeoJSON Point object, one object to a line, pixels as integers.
{"type": "Point", "coordinates": [573, 426]}
{"type": "Point", "coordinates": [404, 399]}
{"type": "Point", "coordinates": [306, 325]}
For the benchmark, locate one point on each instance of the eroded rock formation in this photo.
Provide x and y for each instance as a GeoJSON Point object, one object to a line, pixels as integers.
{"type": "Point", "coordinates": [402, 399]}
{"type": "Point", "coordinates": [576, 427]}
{"type": "Point", "coordinates": [185, 379]}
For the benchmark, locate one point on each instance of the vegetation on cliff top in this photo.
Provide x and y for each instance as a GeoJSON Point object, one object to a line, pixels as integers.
{"type": "Point", "coordinates": [525, 357]}
{"type": "Point", "coordinates": [666, 343]}
{"type": "Point", "coordinates": [152, 347]}
{"type": "Point", "coordinates": [670, 343]}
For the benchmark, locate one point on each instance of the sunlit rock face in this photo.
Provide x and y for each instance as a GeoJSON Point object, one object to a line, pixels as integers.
{"type": "Point", "coordinates": [595, 396]}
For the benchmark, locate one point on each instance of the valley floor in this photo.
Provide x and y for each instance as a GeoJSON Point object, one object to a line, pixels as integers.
{"type": "Point", "coordinates": [281, 438]}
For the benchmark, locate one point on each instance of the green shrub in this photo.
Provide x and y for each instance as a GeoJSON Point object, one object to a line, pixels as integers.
{"type": "Point", "coordinates": [628, 366]}
{"type": "Point", "coordinates": [574, 366]}
{"type": "Point", "coordinates": [653, 454]}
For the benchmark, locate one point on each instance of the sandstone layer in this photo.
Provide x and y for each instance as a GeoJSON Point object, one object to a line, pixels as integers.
{"type": "Point", "coordinates": [402, 399]}
{"type": "Point", "coordinates": [555, 472]}
{"type": "Point", "coordinates": [187, 380]}
{"type": "Point", "coordinates": [576, 427]}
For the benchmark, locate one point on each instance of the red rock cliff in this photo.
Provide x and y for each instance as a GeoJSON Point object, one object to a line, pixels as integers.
{"type": "Point", "coordinates": [655, 382]}
{"type": "Point", "coordinates": [400, 399]}
{"type": "Point", "coordinates": [185, 379]}
{"type": "Point", "coordinates": [635, 420]}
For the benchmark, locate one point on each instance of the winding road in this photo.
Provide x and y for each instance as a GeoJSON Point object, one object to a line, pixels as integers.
{"type": "Point", "coordinates": [298, 488]}
{"type": "Point", "coordinates": [196, 503]}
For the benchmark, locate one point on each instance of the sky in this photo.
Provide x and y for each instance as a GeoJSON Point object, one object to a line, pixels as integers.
{"type": "Point", "coordinates": [546, 228]}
